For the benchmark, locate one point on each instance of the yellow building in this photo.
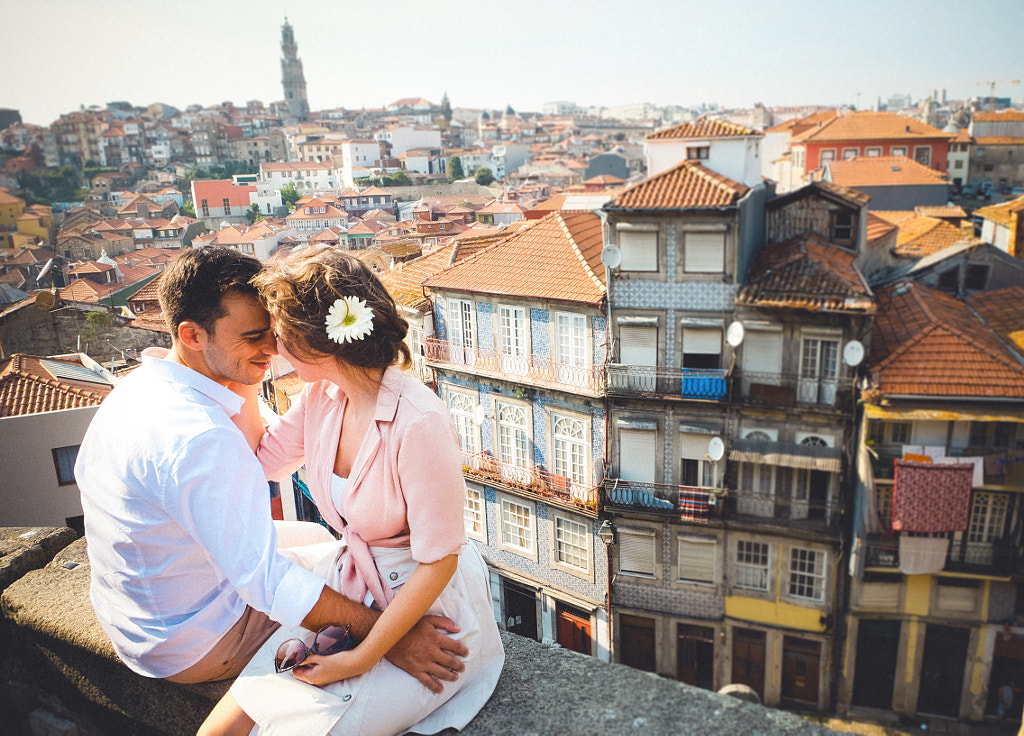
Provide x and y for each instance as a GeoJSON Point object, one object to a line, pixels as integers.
{"type": "Point", "coordinates": [11, 208]}
{"type": "Point", "coordinates": [22, 226]}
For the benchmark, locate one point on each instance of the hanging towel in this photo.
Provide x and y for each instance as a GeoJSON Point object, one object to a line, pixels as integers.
{"type": "Point", "coordinates": [931, 498]}
{"type": "Point", "coordinates": [922, 555]}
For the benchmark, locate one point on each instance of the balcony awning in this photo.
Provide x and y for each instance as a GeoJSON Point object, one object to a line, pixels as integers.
{"type": "Point", "coordinates": [787, 455]}
{"type": "Point", "coordinates": [939, 415]}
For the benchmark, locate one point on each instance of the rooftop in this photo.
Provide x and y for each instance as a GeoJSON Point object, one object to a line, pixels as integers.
{"type": "Point", "coordinates": [688, 185]}
{"type": "Point", "coordinates": [30, 384]}
{"type": "Point", "coordinates": [882, 171]}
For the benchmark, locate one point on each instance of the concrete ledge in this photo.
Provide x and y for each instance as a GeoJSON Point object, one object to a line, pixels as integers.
{"type": "Point", "coordinates": [60, 659]}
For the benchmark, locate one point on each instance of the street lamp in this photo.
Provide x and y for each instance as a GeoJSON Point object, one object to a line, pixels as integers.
{"type": "Point", "coordinates": [606, 532]}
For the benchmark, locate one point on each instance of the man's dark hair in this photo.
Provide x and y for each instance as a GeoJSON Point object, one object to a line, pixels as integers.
{"type": "Point", "coordinates": [194, 283]}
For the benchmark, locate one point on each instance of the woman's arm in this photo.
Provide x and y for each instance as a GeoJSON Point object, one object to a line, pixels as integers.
{"type": "Point", "coordinates": [412, 602]}
{"type": "Point", "coordinates": [249, 420]}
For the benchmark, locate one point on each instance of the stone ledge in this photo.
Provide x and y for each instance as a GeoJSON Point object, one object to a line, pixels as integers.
{"type": "Point", "coordinates": [60, 657]}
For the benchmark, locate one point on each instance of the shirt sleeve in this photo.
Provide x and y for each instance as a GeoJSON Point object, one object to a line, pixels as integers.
{"type": "Point", "coordinates": [282, 448]}
{"type": "Point", "coordinates": [218, 493]}
{"type": "Point", "coordinates": [430, 471]}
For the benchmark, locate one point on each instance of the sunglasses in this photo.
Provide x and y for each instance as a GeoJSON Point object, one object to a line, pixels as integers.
{"type": "Point", "coordinates": [330, 639]}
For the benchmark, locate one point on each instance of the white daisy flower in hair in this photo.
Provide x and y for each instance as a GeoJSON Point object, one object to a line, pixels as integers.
{"type": "Point", "coordinates": [349, 319]}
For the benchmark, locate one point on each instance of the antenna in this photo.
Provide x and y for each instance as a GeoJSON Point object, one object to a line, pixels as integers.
{"type": "Point", "coordinates": [611, 256]}
{"type": "Point", "coordinates": [853, 353]}
{"type": "Point", "coordinates": [716, 449]}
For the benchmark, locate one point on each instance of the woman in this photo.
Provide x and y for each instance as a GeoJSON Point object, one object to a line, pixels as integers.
{"type": "Point", "coordinates": [384, 466]}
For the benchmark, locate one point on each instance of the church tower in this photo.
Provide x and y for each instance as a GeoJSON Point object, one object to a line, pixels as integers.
{"type": "Point", "coordinates": [292, 79]}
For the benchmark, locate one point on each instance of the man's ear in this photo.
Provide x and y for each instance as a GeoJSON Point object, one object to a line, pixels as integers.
{"type": "Point", "coordinates": [191, 335]}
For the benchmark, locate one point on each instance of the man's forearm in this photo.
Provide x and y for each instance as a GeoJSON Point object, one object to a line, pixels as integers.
{"type": "Point", "coordinates": [334, 608]}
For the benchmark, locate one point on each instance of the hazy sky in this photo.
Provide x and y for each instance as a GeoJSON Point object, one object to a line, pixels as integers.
{"type": "Point", "coordinates": [57, 55]}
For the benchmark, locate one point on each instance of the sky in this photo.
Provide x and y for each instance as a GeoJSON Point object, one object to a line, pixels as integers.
{"type": "Point", "coordinates": [59, 55]}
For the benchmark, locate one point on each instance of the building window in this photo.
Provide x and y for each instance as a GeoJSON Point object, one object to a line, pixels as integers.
{"type": "Point", "coordinates": [842, 227]}
{"type": "Point", "coordinates": [512, 340]}
{"type": "Point", "coordinates": [571, 544]}
{"type": "Point", "coordinates": [516, 526]}
{"type": "Point", "coordinates": [698, 153]}
{"type": "Point", "coordinates": [460, 331]}
{"type": "Point", "coordinates": [639, 250]}
{"type": "Point", "coordinates": [569, 457]}
{"type": "Point", "coordinates": [696, 469]}
{"type": "Point", "coordinates": [702, 347]}
{"type": "Point", "coordinates": [849, 153]}
{"type": "Point", "coordinates": [827, 154]}
{"type": "Point", "coordinates": [873, 151]}
{"type": "Point", "coordinates": [462, 407]}
{"type": "Point", "coordinates": [807, 574]}
{"type": "Point", "coordinates": [513, 440]}
{"type": "Point", "coordinates": [227, 206]}
{"type": "Point", "coordinates": [473, 515]}
{"type": "Point", "coordinates": [819, 368]}
{"type": "Point", "coordinates": [752, 565]}
{"type": "Point", "coordinates": [704, 253]}
{"type": "Point", "coordinates": [898, 151]}
{"type": "Point", "coordinates": [636, 553]}
{"type": "Point", "coordinates": [977, 277]}
{"type": "Point", "coordinates": [899, 432]}
{"type": "Point", "coordinates": [988, 517]}
{"type": "Point", "coordinates": [958, 164]}
{"type": "Point", "coordinates": [571, 349]}
{"type": "Point", "coordinates": [64, 462]}
{"type": "Point", "coordinates": [923, 155]}
{"type": "Point", "coordinates": [697, 559]}
{"type": "Point", "coordinates": [205, 208]}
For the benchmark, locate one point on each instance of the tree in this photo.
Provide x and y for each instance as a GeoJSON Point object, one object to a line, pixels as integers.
{"type": "Point", "coordinates": [188, 209]}
{"type": "Point", "coordinates": [446, 108]}
{"type": "Point", "coordinates": [289, 196]}
{"type": "Point", "coordinates": [509, 110]}
{"type": "Point", "coordinates": [455, 168]}
{"type": "Point", "coordinates": [96, 323]}
{"type": "Point", "coordinates": [483, 176]}
{"type": "Point", "coordinates": [399, 179]}
{"type": "Point", "coordinates": [253, 214]}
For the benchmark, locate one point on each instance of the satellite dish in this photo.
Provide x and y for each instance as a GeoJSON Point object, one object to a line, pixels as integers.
{"type": "Point", "coordinates": [46, 300]}
{"type": "Point", "coordinates": [481, 414]}
{"type": "Point", "coordinates": [611, 256]}
{"type": "Point", "coordinates": [45, 271]}
{"type": "Point", "coordinates": [853, 353]}
{"type": "Point", "coordinates": [716, 449]}
{"type": "Point", "coordinates": [734, 335]}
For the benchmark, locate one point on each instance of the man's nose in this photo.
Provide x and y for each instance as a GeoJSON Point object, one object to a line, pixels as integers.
{"type": "Point", "coordinates": [269, 344]}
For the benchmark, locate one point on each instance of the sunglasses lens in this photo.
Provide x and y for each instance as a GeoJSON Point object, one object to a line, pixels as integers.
{"type": "Point", "coordinates": [290, 654]}
{"type": "Point", "coordinates": [332, 639]}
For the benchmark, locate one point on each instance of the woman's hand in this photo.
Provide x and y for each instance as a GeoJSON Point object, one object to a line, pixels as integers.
{"type": "Point", "coordinates": [323, 670]}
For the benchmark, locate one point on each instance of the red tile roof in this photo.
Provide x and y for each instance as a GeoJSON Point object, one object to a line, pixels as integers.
{"type": "Point", "coordinates": [688, 185]}
{"type": "Point", "coordinates": [868, 125]}
{"type": "Point", "coordinates": [1014, 116]}
{"type": "Point", "coordinates": [704, 128]}
{"type": "Point", "coordinates": [928, 343]}
{"type": "Point", "coordinates": [27, 386]}
{"type": "Point", "coordinates": [1001, 310]}
{"type": "Point", "coordinates": [878, 229]}
{"type": "Point", "coordinates": [921, 236]}
{"type": "Point", "coordinates": [807, 274]}
{"type": "Point", "coordinates": [883, 171]}
{"type": "Point", "coordinates": [215, 191]}
{"type": "Point", "coordinates": [1002, 213]}
{"type": "Point", "coordinates": [557, 257]}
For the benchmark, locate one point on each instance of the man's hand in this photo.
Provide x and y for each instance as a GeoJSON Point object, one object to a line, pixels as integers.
{"type": "Point", "coordinates": [429, 654]}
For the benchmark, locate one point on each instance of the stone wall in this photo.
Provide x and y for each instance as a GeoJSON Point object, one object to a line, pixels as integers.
{"type": "Point", "coordinates": [58, 672]}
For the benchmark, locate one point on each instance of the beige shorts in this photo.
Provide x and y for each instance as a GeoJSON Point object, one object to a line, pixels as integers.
{"type": "Point", "coordinates": [233, 651]}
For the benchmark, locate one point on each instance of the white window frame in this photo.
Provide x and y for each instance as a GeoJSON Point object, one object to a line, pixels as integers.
{"type": "Point", "coordinates": [571, 364]}
{"type": "Point", "coordinates": [639, 250]}
{"type": "Point", "coordinates": [461, 330]}
{"type": "Point", "coordinates": [752, 572]}
{"type": "Point", "coordinates": [474, 513]}
{"type": "Point", "coordinates": [706, 467]}
{"type": "Point", "coordinates": [898, 151]}
{"type": "Point", "coordinates": [517, 526]}
{"type": "Point", "coordinates": [700, 573]}
{"type": "Point", "coordinates": [803, 578]}
{"type": "Point", "coordinates": [570, 452]}
{"type": "Point", "coordinates": [849, 153]}
{"type": "Point", "coordinates": [513, 439]}
{"type": "Point", "coordinates": [704, 252]}
{"type": "Point", "coordinates": [462, 406]}
{"type": "Point", "coordinates": [646, 469]}
{"type": "Point", "coordinates": [826, 154]}
{"type": "Point", "coordinates": [873, 151]}
{"type": "Point", "coordinates": [754, 364]}
{"type": "Point", "coordinates": [572, 539]}
{"type": "Point", "coordinates": [927, 151]}
{"type": "Point", "coordinates": [819, 369]}
{"type": "Point", "coordinates": [639, 546]}
{"type": "Point", "coordinates": [702, 341]}
{"type": "Point", "coordinates": [757, 491]}
{"type": "Point", "coordinates": [513, 339]}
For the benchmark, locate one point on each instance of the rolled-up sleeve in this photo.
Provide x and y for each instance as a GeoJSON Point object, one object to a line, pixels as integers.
{"type": "Point", "coordinates": [430, 473]}
{"type": "Point", "coordinates": [219, 495]}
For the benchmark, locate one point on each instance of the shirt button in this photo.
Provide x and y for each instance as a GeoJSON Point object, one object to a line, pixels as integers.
{"type": "Point", "coordinates": [348, 697]}
{"type": "Point", "coordinates": [393, 576]}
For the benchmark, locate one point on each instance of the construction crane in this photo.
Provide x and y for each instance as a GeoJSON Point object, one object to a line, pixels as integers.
{"type": "Point", "coordinates": [992, 91]}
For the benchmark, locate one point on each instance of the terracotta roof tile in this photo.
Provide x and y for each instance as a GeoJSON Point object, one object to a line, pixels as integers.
{"type": "Point", "coordinates": [1014, 116]}
{"type": "Point", "coordinates": [557, 257]}
{"type": "Point", "coordinates": [999, 140]}
{"type": "Point", "coordinates": [946, 211]}
{"type": "Point", "coordinates": [809, 274]}
{"type": "Point", "coordinates": [1001, 213]}
{"type": "Point", "coordinates": [28, 386]}
{"type": "Point", "coordinates": [883, 171]}
{"type": "Point", "coordinates": [922, 236]}
{"type": "Point", "coordinates": [688, 185]}
{"type": "Point", "coordinates": [868, 125]}
{"type": "Point", "coordinates": [927, 343]}
{"type": "Point", "coordinates": [703, 127]}
{"type": "Point", "coordinates": [878, 229]}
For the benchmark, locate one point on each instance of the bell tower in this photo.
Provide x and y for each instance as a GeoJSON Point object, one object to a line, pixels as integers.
{"type": "Point", "coordinates": [292, 78]}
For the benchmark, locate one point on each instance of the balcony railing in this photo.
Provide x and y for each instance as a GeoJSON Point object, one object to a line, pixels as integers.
{"type": "Point", "coordinates": [782, 508]}
{"type": "Point", "coordinates": [786, 389]}
{"type": "Point", "coordinates": [996, 557]}
{"type": "Point", "coordinates": [535, 479]}
{"type": "Point", "coordinates": [685, 502]}
{"type": "Point", "coordinates": [536, 369]}
{"type": "Point", "coordinates": [688, 383]}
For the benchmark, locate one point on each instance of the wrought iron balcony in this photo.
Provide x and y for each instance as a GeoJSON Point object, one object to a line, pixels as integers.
{"type": "Point", "coordinates": [540, 370]}
{"type": "Point", "coordinates": [787, 389]}
{"type": "Point", "coordinates": [998, 557]}
{"type": "Point", "coordinates": [645, 380]}
{"type": "Point", "coordinates": [782, 508]}
{"type": "Point", "coordinates": [688, 503]}
{"type": "Point", "coordinates": [486, 468]}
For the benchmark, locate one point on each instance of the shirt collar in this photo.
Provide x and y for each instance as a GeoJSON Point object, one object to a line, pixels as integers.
{"type": "Point", "coordinates": [153, 360]}
{"type": "Point", "coordinates": [387, 397]}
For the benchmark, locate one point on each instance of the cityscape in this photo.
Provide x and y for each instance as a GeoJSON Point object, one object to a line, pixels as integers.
{"type": "Point", "coordinates": [740, 390]}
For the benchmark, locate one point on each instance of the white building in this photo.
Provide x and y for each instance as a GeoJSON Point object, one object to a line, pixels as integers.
{"type": "Point", "coordinates": [308, 177]}
{"type": "Point", "coordinates": [402, 138]}
{"type": "Point", "coordinates": [728, 149]}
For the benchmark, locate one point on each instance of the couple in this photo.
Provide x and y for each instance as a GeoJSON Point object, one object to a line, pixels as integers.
{"type": "Point", "coordinates": [187, 575]}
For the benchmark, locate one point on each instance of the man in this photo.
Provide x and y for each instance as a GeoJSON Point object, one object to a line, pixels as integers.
{"type": "Point", "coordinates": [186, 577]}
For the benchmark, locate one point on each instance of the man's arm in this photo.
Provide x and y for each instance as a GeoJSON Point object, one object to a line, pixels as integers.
{"type": "Point", "coordinates": [426, 652]}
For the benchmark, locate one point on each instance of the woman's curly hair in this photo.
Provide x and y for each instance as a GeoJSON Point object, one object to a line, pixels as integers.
{"type": "Point", "coordinates": [298, 291]}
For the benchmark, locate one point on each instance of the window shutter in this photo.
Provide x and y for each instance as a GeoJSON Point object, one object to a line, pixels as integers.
{"type": "Point", "coordinates": [639, 250]}
{"type": "Point", "coordinates": [697, 559]}
{"type": "Point", "coordinates": [638, 345]}
{"type": "Point", "coordinates": [705, 252]}
{"type": "Point", "coordinates": [707, 342]}
{"type": "Point", "coordinates": [693, 445]}
{"type": "Point", "coordinates": [762, 352]}
{"type": "Point", "coordinates": [636, 455]}
{"type": "Point", "coordinates": [636, 553]}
